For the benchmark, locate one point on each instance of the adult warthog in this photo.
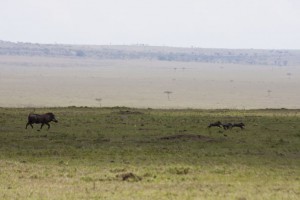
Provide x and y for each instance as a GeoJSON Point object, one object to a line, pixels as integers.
{"type": "Point", "coordinates": [41, 119]}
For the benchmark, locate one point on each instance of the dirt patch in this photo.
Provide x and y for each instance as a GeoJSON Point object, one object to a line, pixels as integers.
{"type": "Point", "coordinates": [35, 136]}
{"type": "Point", "coordinates": [128, 112]}
{"type": "Point", "coordinates": [129, 177]}
{"type": "Point", "coordinates": [188, 137]}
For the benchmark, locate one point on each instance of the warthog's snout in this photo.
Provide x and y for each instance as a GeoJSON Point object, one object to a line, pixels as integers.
{"type": "Point", "coordinates": [55, 120]}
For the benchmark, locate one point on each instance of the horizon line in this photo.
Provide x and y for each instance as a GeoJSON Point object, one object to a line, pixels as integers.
{"type": "Point", "coordinates": [145, 45]}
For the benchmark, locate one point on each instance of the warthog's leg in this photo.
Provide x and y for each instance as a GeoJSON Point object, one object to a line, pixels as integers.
{"type": "Point", "coordinates": [42, 125]}
{"type": "Point", "coordinates": [48, 125]}
{"type": "Point", "coordinates": [29, 124]}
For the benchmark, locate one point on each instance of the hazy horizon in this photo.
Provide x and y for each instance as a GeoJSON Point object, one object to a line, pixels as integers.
{"type": "Point", "coordinates": [230, 24]}
{"type": "Point", "coordinates": [144, 45]}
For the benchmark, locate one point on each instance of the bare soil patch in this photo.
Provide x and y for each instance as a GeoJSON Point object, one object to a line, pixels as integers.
{"type": "Point", "coordinates": [128, 112]}
{"type": "Point", "coordinates": [129, 177]}
{"type": "Point", "coordinates": [188, 137]}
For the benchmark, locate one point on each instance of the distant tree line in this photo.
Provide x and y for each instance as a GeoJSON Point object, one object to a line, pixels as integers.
{"type": "Point", "coordinates": [235, 56]}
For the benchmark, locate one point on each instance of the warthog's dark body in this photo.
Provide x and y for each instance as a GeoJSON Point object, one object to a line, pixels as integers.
{"type": "Point", "coordinates": [227, 126]}
{"type": "Point", "coordinates": [240, 125]}
{"type": "Point", "coordinates": [41, 119]}
{"type": "Point", "coordinates": [218, 124]}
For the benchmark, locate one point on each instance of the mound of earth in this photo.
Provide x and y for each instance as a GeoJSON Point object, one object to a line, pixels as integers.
{"type": "Point", "coordinates": [128, 112]}
{"type": "Point", "coordinates": [188, 137]}
{"type": "Point", "coordinates": [129, 177]}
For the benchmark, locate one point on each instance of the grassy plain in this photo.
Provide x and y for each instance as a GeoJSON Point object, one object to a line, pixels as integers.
{"type": "Point", "coordinates": [123, 153]}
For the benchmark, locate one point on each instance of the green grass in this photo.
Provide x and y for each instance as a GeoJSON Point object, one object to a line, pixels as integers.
{"type": "Point", "coordinates": [87, 154]}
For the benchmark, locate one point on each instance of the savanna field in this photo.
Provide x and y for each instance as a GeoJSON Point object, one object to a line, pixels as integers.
{"type": "Point", "coordinates": [125, 153]}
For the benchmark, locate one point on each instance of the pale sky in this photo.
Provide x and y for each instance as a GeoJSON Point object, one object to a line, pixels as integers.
{"type": "Point", "coordinates": [263, 24]}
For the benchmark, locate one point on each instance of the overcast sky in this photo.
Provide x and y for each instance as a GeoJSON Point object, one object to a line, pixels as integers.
{"type": "Point", "coordinates": [273, 24]}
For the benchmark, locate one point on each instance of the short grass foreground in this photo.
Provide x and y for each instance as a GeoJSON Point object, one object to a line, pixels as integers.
{"type": "Point", "coordinates": [122, 153]}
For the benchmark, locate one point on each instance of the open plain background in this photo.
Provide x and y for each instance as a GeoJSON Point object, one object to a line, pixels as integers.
{"type": "Point", "coordinates": [35, 81]}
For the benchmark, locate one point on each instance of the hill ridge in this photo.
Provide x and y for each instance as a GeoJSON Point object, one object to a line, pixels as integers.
{"type": "Point", "coordinates": [162, 53]}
